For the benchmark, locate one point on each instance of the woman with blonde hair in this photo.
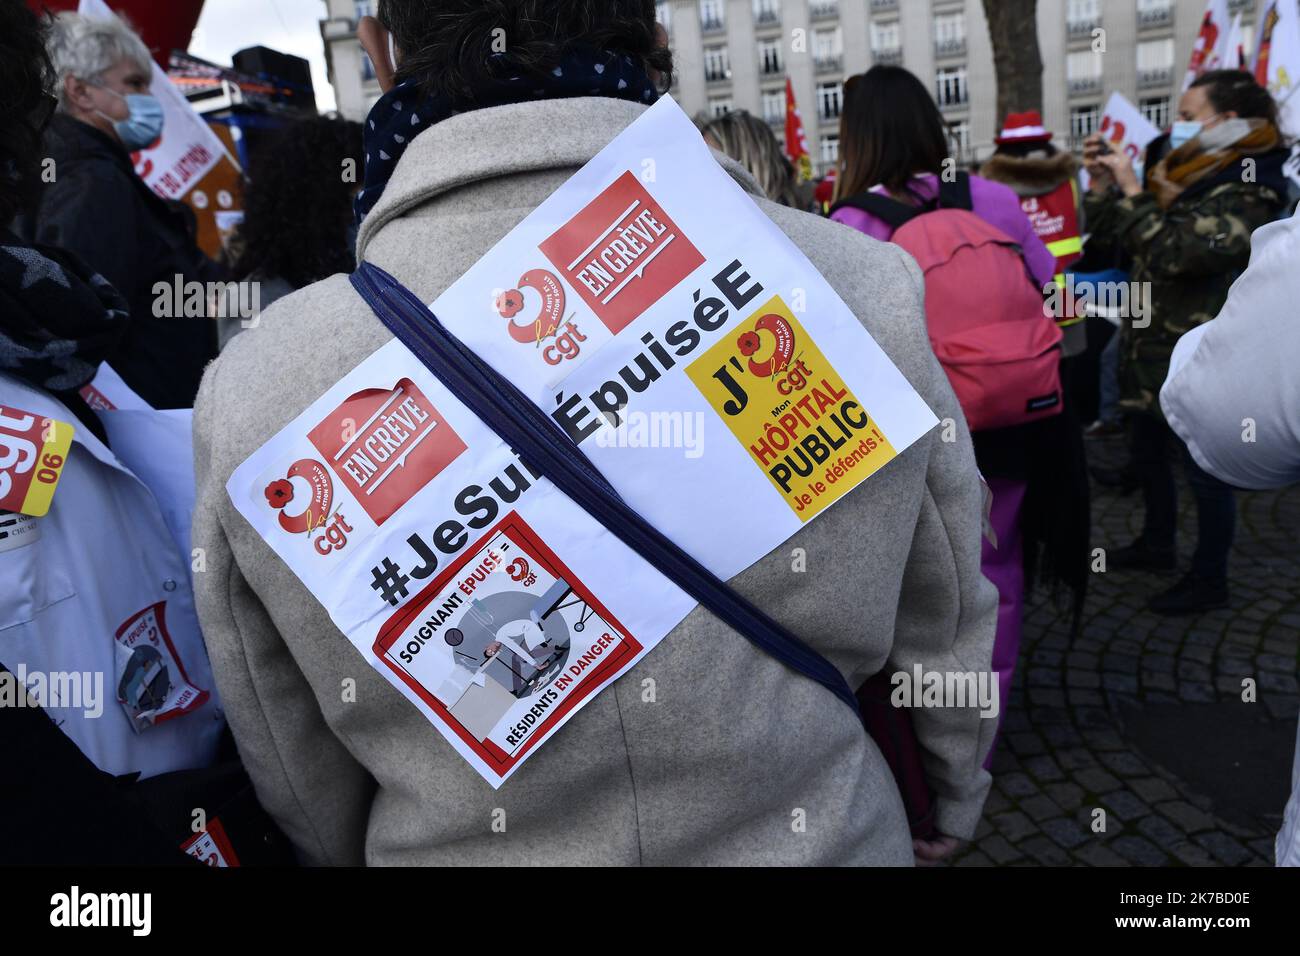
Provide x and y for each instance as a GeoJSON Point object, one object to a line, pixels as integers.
{"type": "Point", "coordinates": [751, 142]}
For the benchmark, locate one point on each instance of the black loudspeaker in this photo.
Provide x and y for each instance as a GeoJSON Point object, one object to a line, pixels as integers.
{"type": "Point", "coordinates": [290, 74]}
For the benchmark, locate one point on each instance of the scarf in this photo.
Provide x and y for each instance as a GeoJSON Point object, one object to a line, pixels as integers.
{"type": "Point", "coordinates": [1209, 154]}
{"type": "Point", "coordinates": [58, 321]}
{"type": "Point", "coordinates": [404, 112]}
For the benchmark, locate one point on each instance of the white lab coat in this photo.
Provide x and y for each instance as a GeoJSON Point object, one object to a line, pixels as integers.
{"type": "Point", "coordinates": [1233, 392]}
{"type": "Point", "coordinates": [72, 578]}
{"type": "Point", "coordinates": [1233, 395]}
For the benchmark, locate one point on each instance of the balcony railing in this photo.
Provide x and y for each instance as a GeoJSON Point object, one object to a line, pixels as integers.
{"type": "Point", "coordinates": [717, 75]}
{"type": "Point", "coordinates": [829, 64]}
{"type": "Point", "coordinates": [771, 67]}
{"type": "Point", "coordinates": [712, 24]}
{"type": "Point", "coordinates": [1240, 6]}
{"type": "Point", "coordinates": [767, 17]}
{"type": "Point", "coordinates": [882, 6]}
{"type": "Point", "coordinates": [893, 56]}
{"type": "Point", "coordinates": [1084, 85]}
{"type": "Point", "coordinates": [338, 28]}
{"type": "Point", "coordinates": [823, 9]}
{"type": "Point", "coordinates": [1157, 77]}
{"type": "Point", "coordinates": [1152, 17]}
{"type": "Point", "coordinates": [955, 101]}
{"type": "Point", "coordinates": [1077, 29]}
{"type": "Point", "coordinates": [950, 47]}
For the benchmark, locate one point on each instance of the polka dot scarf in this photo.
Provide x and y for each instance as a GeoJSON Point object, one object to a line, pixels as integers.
{"type": "Point", "coordinates": [403, 113]}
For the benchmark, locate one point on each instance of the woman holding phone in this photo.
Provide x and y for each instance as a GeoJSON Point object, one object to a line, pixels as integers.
{"type": "Point", "coordinates": [1187, 233]}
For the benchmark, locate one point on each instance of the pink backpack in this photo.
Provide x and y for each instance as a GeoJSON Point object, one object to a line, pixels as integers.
{"type": "Point", "coordinates": [982, 309]}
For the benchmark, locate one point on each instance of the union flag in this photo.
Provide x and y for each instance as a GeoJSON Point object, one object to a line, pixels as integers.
{"type": "Point", "coordinates": [796, 142]}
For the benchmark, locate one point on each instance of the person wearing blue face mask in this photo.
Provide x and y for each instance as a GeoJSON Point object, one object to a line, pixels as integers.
{"type": "Point", "coordinates": [1187, 233]}
{"type": "Point", "coordinates": [98, 208]}
{"type": "Point", "coordinates": [143, 123]}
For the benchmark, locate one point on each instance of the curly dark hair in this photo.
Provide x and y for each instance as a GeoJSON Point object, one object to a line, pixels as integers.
{"type": "Point", "coordinates": [25, 77]}
{"type": "Point", "coordinates": [298, 204]}
{"type": "Point", "coordinates": [447, 47]}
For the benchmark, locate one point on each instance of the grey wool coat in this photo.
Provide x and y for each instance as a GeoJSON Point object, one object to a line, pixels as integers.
{"type": "Point", "coordinates": [737, 759]}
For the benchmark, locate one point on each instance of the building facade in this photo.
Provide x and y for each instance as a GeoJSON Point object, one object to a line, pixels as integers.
{"type": "Point", "coordinates": [736, 54]}
{"type": "Point", "coordinates": [350, 71]}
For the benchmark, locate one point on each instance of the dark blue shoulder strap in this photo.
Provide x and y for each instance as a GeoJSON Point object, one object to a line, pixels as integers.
{"type": "Point", "coordinates": [546, 450]}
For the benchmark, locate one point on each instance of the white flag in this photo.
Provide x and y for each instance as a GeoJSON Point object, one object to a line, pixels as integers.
{"type": "Point", "coordinates": [1230, 54]}
{"type": "Point", "coordinates": [1277, 58]}
{"type": "Point", "coordinates": [1213, 34]}
{"type": "Point", "coordinates": [187, 148]}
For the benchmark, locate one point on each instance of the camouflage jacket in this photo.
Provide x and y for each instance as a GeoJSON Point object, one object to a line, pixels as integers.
{"type": "Point", "coordinates": [1183, 261]}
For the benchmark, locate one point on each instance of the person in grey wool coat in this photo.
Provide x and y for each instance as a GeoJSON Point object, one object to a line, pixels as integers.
{"type": "Point", "coordinates": [738, 747]}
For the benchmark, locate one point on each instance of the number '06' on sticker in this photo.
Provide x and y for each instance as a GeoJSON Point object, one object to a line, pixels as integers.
{"type": "Point", "coordinates": [33, 451]}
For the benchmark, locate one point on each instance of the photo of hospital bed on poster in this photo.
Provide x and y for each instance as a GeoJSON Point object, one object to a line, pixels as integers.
{"type": "Point", "coordinates": [504, 643]}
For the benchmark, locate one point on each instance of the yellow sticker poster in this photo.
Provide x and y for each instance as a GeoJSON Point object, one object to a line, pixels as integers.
{"type": "Point", "coordinates": [786, 404]}
{"type": "Point", "coordinates": [33, 451]}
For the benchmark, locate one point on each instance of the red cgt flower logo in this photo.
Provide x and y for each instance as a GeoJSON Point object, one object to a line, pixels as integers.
{"type": "Point", "coordinates": [511, 303]}
{"type": "Point", "coordinates": [279, 493]}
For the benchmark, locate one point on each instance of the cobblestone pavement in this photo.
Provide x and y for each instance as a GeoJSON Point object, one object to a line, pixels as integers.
{"type": "Point", "coordinates": [1143, 717]}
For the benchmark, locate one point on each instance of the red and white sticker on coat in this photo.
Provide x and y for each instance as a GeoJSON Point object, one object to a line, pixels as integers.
{"type": "Point", "coordinates": [376, 450]}
{"type": "Point", "coordinates": [212, 846]}
{"type": "Point", "coordinates": [622, 253]}
{"type": "Point", "coordinates": [504, 644]}
{"type": "Point", "coordinates": [152, 685]}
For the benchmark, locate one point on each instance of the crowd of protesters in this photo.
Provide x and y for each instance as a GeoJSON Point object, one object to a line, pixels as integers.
{"type": "Point", "coordinates": [951, 271]}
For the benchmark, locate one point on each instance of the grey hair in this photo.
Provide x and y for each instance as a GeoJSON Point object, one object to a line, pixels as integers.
{"type": "Point", "coordinates": [87, 49]}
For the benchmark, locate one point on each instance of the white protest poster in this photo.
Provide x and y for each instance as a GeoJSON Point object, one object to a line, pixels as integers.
{"type": "Point", "coordinates": [1126, 129]}
{"type": "Point", "coordinates": [692, 352]}
{"type": "Point", "coordinates": [668, 300]}
{"type": "Point", "coordinates": [187, 149]}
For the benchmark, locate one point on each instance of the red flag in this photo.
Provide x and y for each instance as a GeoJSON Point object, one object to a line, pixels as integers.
{"type": "Point", "coordinates": [796, 143]}
{"type": "Point", "coordinates": [163, 26]}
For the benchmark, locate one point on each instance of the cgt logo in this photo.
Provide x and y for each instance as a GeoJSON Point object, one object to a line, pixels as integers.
{"type": "Point", "coordinates": [282, 492]}
{"type": "Point", "coordinates": [751, 344]}
{"type": "Point", "coordinates": [622, 253]}
{"type": "Point", "coordinates": [567, 344]}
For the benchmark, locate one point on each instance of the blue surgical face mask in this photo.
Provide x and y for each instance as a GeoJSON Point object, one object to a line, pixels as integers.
{"type": "Point", "coordinates": [1184, 131]}
{"type": "Point", "coordinates": [143, 125]}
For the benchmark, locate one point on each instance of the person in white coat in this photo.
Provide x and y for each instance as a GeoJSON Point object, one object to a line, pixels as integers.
{"type": "Point", "coordinates": [1233, 395]}
{"type": "Point", "coordinates": [104, 679]}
